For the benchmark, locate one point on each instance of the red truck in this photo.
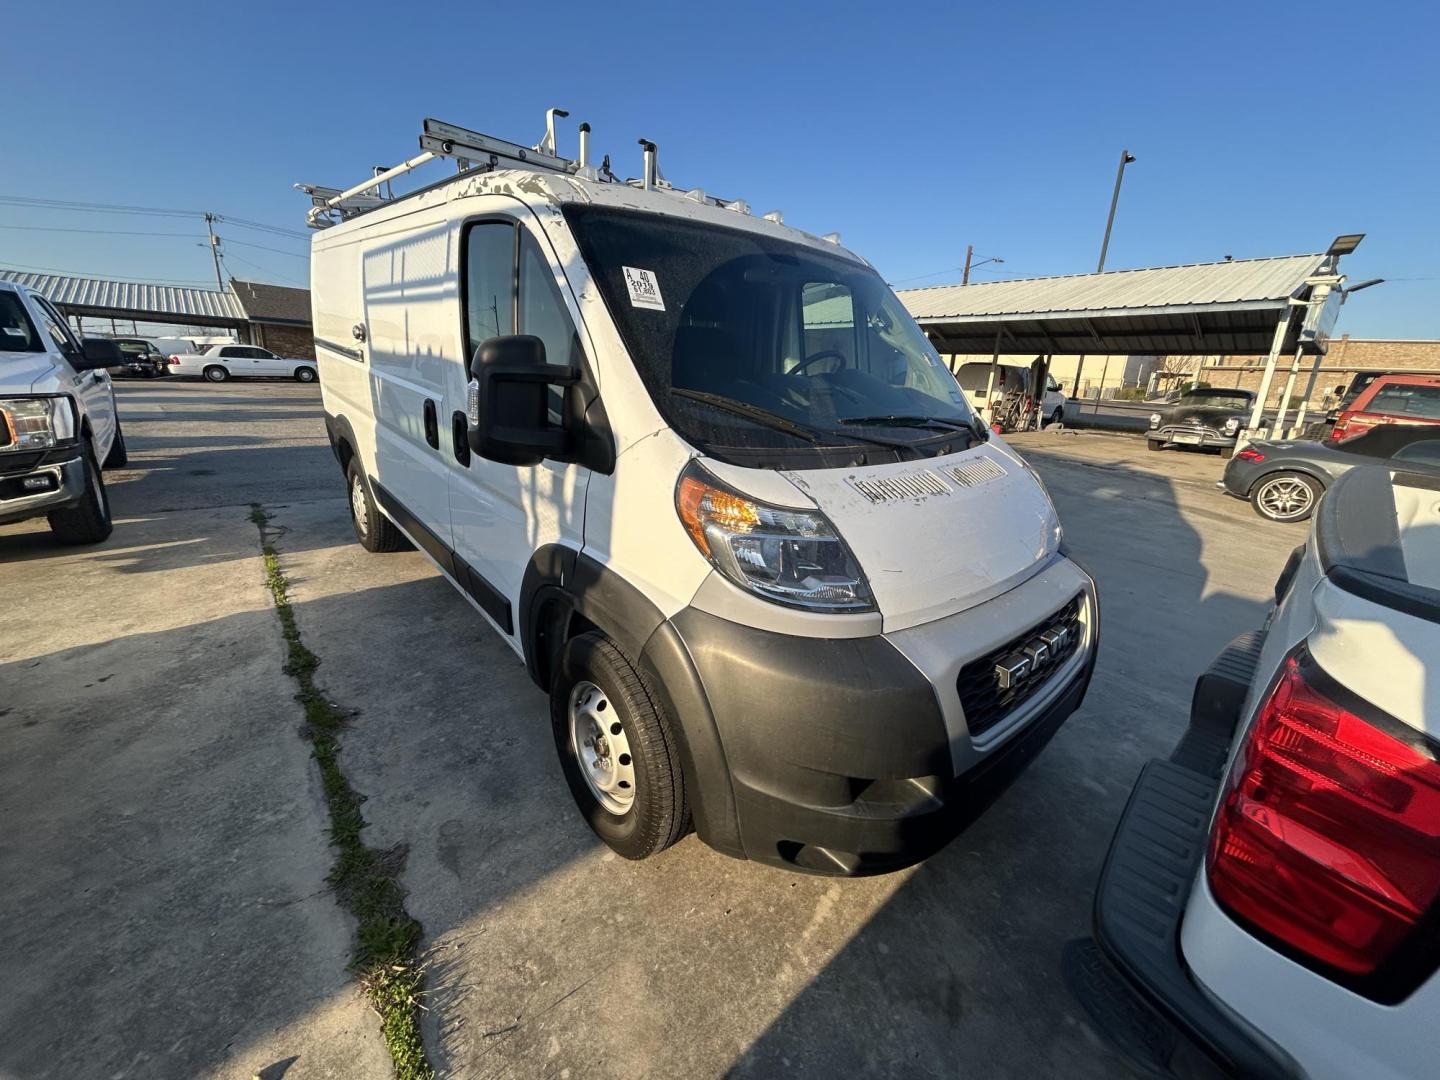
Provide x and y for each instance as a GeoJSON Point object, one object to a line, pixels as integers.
{"type": "Point", "coordinates": [1390, 399]}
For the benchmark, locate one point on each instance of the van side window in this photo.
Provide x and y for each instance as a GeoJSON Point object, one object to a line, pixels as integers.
{"type": "Point", "coordinates": [489, 283]}
{"type": "Point", "coordinates": [543, 314]}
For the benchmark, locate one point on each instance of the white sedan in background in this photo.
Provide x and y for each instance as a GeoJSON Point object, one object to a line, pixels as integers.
{"type": "Point", "coordinates": [221, 362]}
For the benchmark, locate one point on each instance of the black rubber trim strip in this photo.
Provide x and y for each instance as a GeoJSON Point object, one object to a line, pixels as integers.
{"type": "Point", "coordinates": [490, 599]}
{"type": "Point", "coordinates": [343, 350]}
{"type": "Point", "coordinates": [1158, 847]}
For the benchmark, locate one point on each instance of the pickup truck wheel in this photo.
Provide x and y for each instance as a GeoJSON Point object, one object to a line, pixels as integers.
{"type": "Point", "coordinates": [617, 749]}
{"type": "Point", "coordinates": [88, 521]}
{"type": "Point", "coordinates": [373, 529]}
{"type": "Point", "coordinates": [215, 373]}
{"type": "Point", "coordinates": [118, 456]}
{"type": "Point", "coordinates": [1155, 444]}
{"type": "Point", "coordinates": [1286, 496]}
{"type": "Point", "coordinates": [305, 374]}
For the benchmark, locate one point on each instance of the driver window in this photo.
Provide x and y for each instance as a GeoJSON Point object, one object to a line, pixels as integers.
{"type": "Point", "coordinates": [543, 314]}
{"type": "Point", "coordinates": [56, 328]}
{"type": "Point", "coordinates": [827, 322]}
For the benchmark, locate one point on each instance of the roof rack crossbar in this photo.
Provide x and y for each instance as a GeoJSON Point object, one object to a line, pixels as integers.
{"type": "Point", "coordinates": [473, 151]}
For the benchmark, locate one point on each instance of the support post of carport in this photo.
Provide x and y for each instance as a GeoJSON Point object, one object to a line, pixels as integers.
{"type": "Point", "coordinates": [990, 382]}
{"type": "Point", "coordinates": [1282, 327]}
{"type": "Point", "coordinates": [1285, 395]}
{"type": "Point", "coordinates": [1309, 392]}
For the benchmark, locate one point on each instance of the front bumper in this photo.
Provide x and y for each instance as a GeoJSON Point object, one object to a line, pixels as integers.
{"type": "Point", "coordinates": [1188, 435]}
{"type": "Point", "coordinates": [62, 474]}
{"type": "Point", "coordinates": [851, 756]}
{"type": "Point", "coordinates": [1155, 1012]}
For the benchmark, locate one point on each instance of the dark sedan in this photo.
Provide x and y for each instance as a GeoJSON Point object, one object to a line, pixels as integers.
{"type": "Point", "coordinates": [1201, 417]}
{"type": "Point", "coordinates": [1284, 480]}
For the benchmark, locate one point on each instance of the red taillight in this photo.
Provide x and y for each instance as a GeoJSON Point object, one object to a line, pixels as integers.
{"type": "Point", "coordinates": [1250, 454]}
{"type": "Point", "coordinates": [1328, 834]}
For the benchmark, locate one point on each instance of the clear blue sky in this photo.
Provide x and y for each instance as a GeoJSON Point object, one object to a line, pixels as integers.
{"type": "Point", "coordinates": [913, 129]}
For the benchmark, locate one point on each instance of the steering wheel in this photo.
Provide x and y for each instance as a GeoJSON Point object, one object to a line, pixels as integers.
{"type": "Point", "coordinates": [823, 354]}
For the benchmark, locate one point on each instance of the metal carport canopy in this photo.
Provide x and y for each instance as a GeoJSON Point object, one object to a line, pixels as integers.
{"type": "Point", "coordinates": [103, 298]}
{"type": "Point", "coordinates": [1226, 308]}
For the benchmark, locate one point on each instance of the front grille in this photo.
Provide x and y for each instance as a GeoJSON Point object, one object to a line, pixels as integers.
{"type": "Point", "coordinates": [981, 696]}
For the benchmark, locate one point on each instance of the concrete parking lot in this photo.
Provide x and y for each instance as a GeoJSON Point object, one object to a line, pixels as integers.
{"type": "Point", "coordinates": [165, 846]}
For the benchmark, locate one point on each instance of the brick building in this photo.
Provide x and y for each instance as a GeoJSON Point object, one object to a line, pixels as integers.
{"type": "Point", "coordinates": [1345, 357]}
{"type": "Point", "coordinates": [277, 317]}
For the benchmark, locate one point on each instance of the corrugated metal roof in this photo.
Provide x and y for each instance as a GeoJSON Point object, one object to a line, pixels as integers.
{"type": "Point", "coordinates": [1239, 285]}
{"type": "Point", "coordinates": [97, 295]}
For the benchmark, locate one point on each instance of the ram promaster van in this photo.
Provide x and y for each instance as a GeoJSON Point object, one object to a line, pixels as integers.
{"type": "Point", "coordinates": [705, 475]}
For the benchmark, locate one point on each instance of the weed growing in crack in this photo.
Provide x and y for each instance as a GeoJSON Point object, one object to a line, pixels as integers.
{"type": "Point", "coordinates": [366, 880]}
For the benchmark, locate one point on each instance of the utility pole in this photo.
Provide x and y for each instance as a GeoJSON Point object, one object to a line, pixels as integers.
{"type": "Point", "coordinates": [215, 249]}
{"type": "Point", "coordinates": [969, 254]}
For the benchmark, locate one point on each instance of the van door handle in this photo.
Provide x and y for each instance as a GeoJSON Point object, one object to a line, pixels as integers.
{"type": "Point", "coordinates": [460, 432]}
{"type": "Point", "coordinates": [432, 425]}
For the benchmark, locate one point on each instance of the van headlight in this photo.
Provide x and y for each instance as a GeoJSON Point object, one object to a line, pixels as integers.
{"type": "Point", "coordinates": [35, 423]}
{"type": "Point", "coordinates": [784, 555]}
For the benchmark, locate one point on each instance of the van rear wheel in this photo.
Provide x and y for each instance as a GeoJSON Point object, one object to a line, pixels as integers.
{"type": "Point", "coordinates": [373, 529]}
{"type": "Point", "coordinates": [617, 749]}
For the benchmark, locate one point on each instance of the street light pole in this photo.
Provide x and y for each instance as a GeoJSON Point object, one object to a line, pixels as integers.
{"type": "Point", "coordinates": [1126, 158]}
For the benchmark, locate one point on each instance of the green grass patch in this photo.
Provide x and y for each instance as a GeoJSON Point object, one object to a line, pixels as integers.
{"type": "Point", "coordinates": [366, 880]}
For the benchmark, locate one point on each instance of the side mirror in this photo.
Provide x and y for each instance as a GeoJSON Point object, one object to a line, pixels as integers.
{"type": "Point", "coordinates": [97, 353]}
{"type": "Point", "coordinates": [509, 401]}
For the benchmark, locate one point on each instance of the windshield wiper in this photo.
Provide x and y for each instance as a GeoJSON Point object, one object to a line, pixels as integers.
{"type": "Point", "coordinates": [750, 412]}
{"type": "Point", "coordinates": [911, 421]}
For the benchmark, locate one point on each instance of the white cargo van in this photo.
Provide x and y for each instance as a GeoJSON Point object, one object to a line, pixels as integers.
{"type": "Point", "coordinates": [706, 476]}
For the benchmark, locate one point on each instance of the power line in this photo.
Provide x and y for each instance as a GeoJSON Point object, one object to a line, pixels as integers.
{"type": "Point", "coordinates": [97, 232]}
{"type": "Point", "coordinates": [262, 247]}
{"type": "Point", "coordinates": [262, 269]}
{"type": "Point", "coordinates": [150, 211]}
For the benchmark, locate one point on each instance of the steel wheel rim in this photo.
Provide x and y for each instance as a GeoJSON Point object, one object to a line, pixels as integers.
{"type": "Point", "coordinates": [358, 508]}
{"type": "Point", "coordinates": [1286, 498]}
{"type": "Point", "coordinates": [601, 748]}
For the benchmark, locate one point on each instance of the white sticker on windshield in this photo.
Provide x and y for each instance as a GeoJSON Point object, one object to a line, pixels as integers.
{"type": "Point", "coordinates": [644, 289]}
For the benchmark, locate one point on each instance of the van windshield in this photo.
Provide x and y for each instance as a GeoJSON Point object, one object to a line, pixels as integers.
{"type": "Point", "coordinates": [749, 342]}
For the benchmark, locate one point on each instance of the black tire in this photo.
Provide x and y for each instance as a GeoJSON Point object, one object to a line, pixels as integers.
{"type": "Point", "coordinates": [1058, 416]}
{"type": "Point", "coordinates": [1154, 444]}
{"type": "Point", "coordinates": [118, 456]}
{"type": "Point", "coordinates": [659, 814]}
{"type": "Point", "coordinates": [305, 375]}
{"type": "Point", "coordinates": [216, 373]}
{"type": "Point", "coordinates": [88, 522]}
{"type": "Point", "coordinates": [1226, 453]}
{"type": "Point", "coordinates": [1274, 490]}
{"type": "Point", "coordinates": [373, 529]}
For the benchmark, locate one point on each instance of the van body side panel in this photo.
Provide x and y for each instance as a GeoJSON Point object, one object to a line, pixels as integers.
{"type": "Point", "coordinates": [337, 305]}
{"type": "Point", "coordinates": [409, 278]}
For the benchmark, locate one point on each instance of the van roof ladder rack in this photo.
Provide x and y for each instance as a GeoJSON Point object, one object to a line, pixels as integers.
{"type": "Point", "coordinates": [474, 152]}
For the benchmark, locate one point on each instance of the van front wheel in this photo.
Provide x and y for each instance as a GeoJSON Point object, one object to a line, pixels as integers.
{"type": "Point", "coordinates": [617, 749]}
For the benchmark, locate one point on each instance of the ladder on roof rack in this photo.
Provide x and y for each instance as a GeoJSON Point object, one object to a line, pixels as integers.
{"type": "Point", "coordinates": [476, 152]}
